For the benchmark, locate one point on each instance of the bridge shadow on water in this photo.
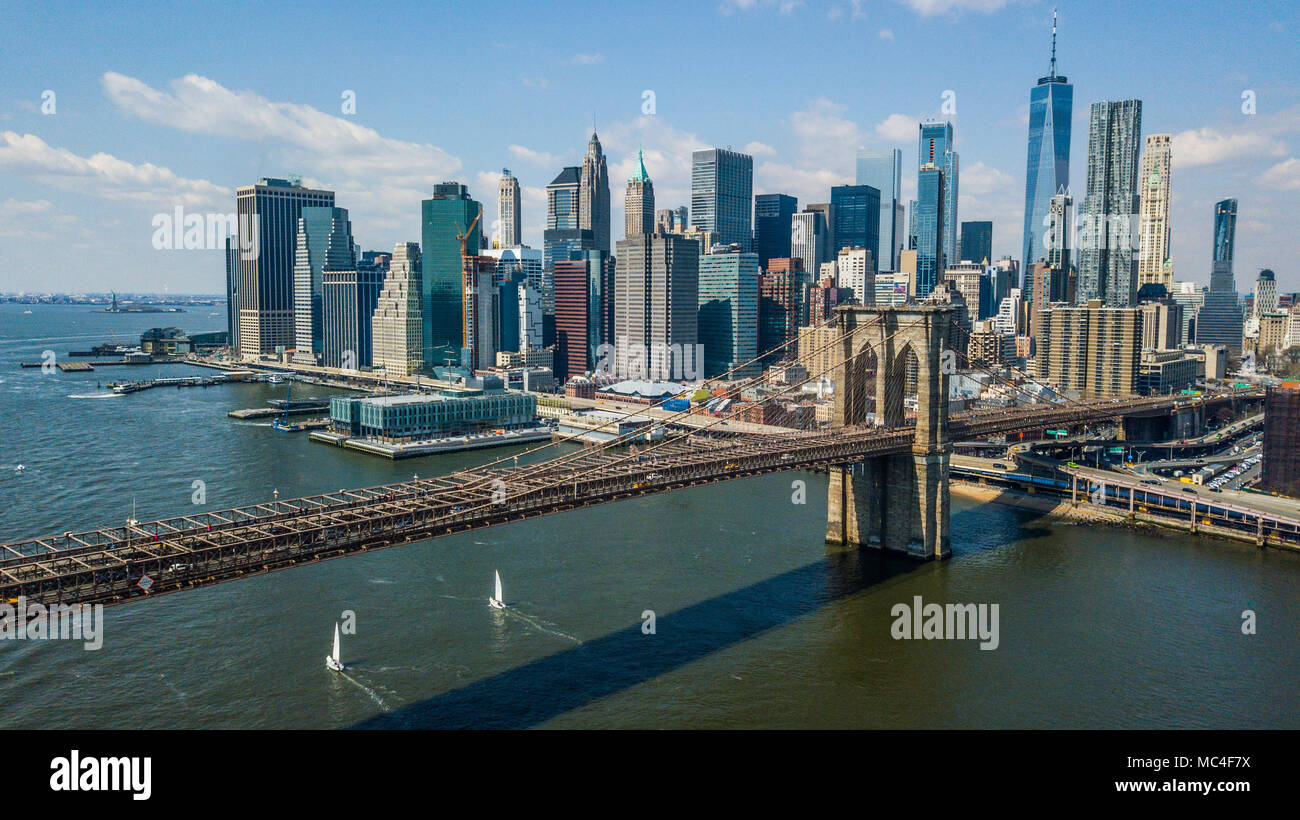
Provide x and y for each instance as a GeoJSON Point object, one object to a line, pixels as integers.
{"type": "Point", "coordinates": [548, 687]}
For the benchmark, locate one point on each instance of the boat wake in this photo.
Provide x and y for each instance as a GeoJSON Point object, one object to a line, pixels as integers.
{"type": "Point", "coordinates": [540, 626]}
{"type": "Point", "coordinates": [95, 395]}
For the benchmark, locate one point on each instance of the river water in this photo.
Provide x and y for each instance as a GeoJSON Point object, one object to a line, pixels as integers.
{"type": "Point", "coordinates": [755, 623]}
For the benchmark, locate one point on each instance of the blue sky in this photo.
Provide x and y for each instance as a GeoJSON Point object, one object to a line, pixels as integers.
{"type": "Point", "coordinates": [157, 107]}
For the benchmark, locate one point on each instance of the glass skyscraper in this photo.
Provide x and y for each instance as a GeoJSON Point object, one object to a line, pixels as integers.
{"type": "Point", "coordinates": [935, 148]}
{"type": "Point", "coordinates": [324, 243]}
{"type": "Point", "coordinates": [722, 195]}
{"type": "Point", "coordinates": [447, 214]}
{"type": "Point", "coordinates": [1219, 320]}
{"type": "Point", "coordinates": [856, 211]}
{"type": "Point", "coordinates": [883, 170]}
{"type": "Point", "coordinates": [976, 242]}
{"type": "Point", "coordinates": [728, 313]}
{"type": "Point", "coordinates": [930, 228]}
{"type": "Point", "coordinates": [1047, 170]}
{"type": "Point", "coordinates": [772, 216]}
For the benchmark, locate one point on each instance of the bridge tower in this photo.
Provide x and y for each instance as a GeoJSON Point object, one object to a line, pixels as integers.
{"type": "Point", "coordinates": [897, 502]}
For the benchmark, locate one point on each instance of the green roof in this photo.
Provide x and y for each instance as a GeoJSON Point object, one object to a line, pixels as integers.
{"type": "Point", "coordinates": [640, 175]}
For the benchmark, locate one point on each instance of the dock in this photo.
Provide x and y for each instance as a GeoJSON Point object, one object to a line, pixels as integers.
{"type": "Point", "coordinates": [183, 381]}
{"type": "Point", "coordinates": [431, 447]}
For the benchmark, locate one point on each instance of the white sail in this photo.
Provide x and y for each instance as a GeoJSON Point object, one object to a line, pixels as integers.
{"type": "Point", "coordinates": [336, 643]}
{"type": "Point", "coordinates": [498, 594]}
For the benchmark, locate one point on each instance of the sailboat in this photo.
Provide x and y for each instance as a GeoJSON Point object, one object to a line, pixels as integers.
{"type": "Point", "coordinates": [332, 661]}
{"type": "Point", "coordinates": [497, 600]}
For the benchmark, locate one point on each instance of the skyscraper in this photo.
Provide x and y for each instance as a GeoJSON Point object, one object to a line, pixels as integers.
{"type": "Point", "coordinates": [1153, 222]}
{"type": "Point", "coordinates": [976, 242]}
{"type": "Point", "coordinates": [639, 202]}
{"type": "Point", "coordinates": [856, 211]}
{"type": "Point", "coordinates": [593, 194]}
{"type": "Point", "coordinates": [270, 210]}
{"type": "Point", "coordinates": [772, 216]}
{"type": "Point", "coordinates": [656, 305]}
{"type": "Point", "coordinates": [1047, 169]}
{"type": "Point", "coordinates": [450, 212]}
{"type": "Point", "coordinates": [780, 298]}
{"type": "Point", "coordinates": [508, 211]}
{"type": "Point", "coordinates": [883, 170]}
{"type": "Point", "coordinates": [584, 311]}
{"type": "Point", "coordinates": [563, 237]}
{"type": "Point", "coordinates": [930, 228]}
{"type": "Point", "coordinates": [1107, 233]}
{"type": "Point", "coordinates": [348, 301]}
{"type": "Point", "coordinates": [722, 195]}
{"type": "Point", "coordinates": [1219, 320]}
{"type": "Point", "coordinates": [324, 243]}
{"type": "Point", "coordinates": [935, 148]}
{"type": "Point", "coordinates": [808, 241]}
{"type": "Point", "coordinates": [728, 312]}
{"type": "Point", "coordinates": [397, 326]}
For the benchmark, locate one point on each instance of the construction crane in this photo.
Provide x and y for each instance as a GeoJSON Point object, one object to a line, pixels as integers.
{"type": "Point", "coordinates": [462, 237]}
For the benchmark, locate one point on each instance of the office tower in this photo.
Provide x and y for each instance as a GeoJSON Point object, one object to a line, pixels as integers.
{"type": "Point", "coordinates": [324, 242]}
{"type": "Point", "coordinates": [856, 213]}
{"type": "Point", "coordinates": [1107, 246]}
{"type": "Point", "coordinates": [930, 228]}
{"type": "Point", "coordinates": [976, 243]}
{"type": "Point", "coordinates": [680, 219]}
{"type": "Point", "coordinates": [521, 277]}
{"type": "Point", "coordinates": [1189, 296]}
{"type": "Point", "coordinates": [1219, 320]}
{"type": "Point", "coordinates": [508, 211]}
{"type": "Point", "coordinates": [349, 299]}
{"type": "Point", "coordinates": [584, 312]}
{"type": "Point", "coordinates": [935, 148]}
{"type": "Point", "coordinates": [1001, 278]}
{"type": "Point", "coordinates": [1162, 318]}
{"type": "Point", "coordinates": [856, 270]}
{"type": "Point", "coordinates": [563, 237]}
{"type": "Point", "coordinates": [232, 290]}
{"type": "Point", "coordinates": [665, 221]}
{"type": "Point", "coordinates": [1058, 237]}
{"type": "Point", "coordinates": [1047, 168]}
{"type": "Point", "coordinates": [1090, 349]}
{"type": "Point", "coordinates": [883, 170]}
{"type": "Point", "coordinates": [1265, 293]}
{"type": "Point", "coordinates": [1153, 221]}
{"type": "Point", "coordinates": [1280, 471]}
{"type": "Point", "coordinates": [892, 289]}
{"type": "Point", "coordinates": [722, 195]}
{"type": "Point", "coordinates": [779, 311]}
{"type": "Point", "coordinates": [593, 194]}
{"type": "Point", "coordinates": [639, 202]}
{"type": "Point", "coordinates": [1009, 313]}
{"type": "Point", "coordinates": [446, 216]}
{"type": "Point", "coordinates": [656, 306]}
{"type": "Point", "coordinates": [772, 216]}
{"type": "Point", "coordinates": [808, 239]}
{"type": "Point", "coordinates": [831, 247]}
{"type": "Point", "coordinates": [802, 281]}
{"type": "Point", "coordinates": [728, 312]}
{"type": "Point", "coordinates": [397, 327]}
{"type": "Point", "coordinates": [482, 312]}
{"type": "Point", "coordinates": [968, 279]}
{"type": "Point", "coordinates": [268, 222]}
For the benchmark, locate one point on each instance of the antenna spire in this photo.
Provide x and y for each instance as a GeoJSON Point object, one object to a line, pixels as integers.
{"type": "Point", "coordinates": [1053, 71]}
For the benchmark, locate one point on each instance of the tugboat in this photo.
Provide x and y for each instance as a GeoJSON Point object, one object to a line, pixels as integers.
{"type": "Point", "coordinates": [283, 424]}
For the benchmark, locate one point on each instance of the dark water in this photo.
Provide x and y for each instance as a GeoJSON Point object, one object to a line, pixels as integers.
{"type": "Point", "coordinates": [756, 625]}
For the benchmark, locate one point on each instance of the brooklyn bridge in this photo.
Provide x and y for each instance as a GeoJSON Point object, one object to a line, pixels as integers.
{"type": "Point", "coordinates": [889, 477]}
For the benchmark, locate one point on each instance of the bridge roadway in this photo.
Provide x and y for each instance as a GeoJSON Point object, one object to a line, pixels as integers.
{"type": "Point", "coordinates": [136, 560]}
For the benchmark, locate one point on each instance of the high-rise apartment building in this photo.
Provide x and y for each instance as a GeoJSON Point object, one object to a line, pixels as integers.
{"type": "Point", "coordinates": [268, 215]}
{"type": "Point", "coordinates": [1047, 169]}
{"type": "Point", "coordinates": [976, 243]}
{"type": "Point", "coordinates": [1153, 222]}
{"type": "Point", "coordinates": [1091, 349]}
{"type": "Point", "coordinates": [1219, 320]}
{"type": "Point", "coordinates": [780, 296]}
{"type": "Point", "coordinates": [856, 270]}
{"type": "Point", "coordinates": [883, 170]}
{"type": "Point", "coordinates": [324, 242]}
{"type": "Point", "coordinates": [593, 194]}
{"type": "Point", "coordinates": [935, 148]}
{"type": "Point", "coordinates": [722, 195]}
{"type": "Point", "coordinates": [509, 215]}
{"type": "Point", "coordinates": [397, 326]}
{"type": "Point", "coordinates": [773, 214]}
{"type": "Point", "coordinates": [728, 312]}
{"type": "Point", "coordinates": [639, 202]}
{"type": "Point", "coordinates": [443, 218]}
{"type": "Point", "coordinates": [1280, 471]}
{"type": "Point", "coordinates": [1107, 229]}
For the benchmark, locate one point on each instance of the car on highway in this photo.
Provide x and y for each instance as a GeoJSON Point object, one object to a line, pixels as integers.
{"type": "Point", "coordinates": [1189, 490]}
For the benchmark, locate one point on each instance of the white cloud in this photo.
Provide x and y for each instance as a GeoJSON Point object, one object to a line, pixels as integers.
{"type": "Point", "coordinates": [930, 8]}
{"type": "Point", "coordinates": [898, 128]}
{"type": "Point", "coordinates": [1206, 146]}
{"type": "Point", "coordinates": [106, 176]}
{"type": "Point", "coordinates": [532, 157]}
{"type": "Point", "coordinates": [536, 82]}
{"type": "Point", "coordinates": [1285, 176]}
{"type": "Point", "coordinates": [588, 59]}
{"type": "Point", "coordinates": [886, 34]}
{"type": "Point", "coordinates": [759, 149]}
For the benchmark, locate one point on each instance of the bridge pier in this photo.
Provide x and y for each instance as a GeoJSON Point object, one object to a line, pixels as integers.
{"type": "Point", "coordinates": [898, 502]}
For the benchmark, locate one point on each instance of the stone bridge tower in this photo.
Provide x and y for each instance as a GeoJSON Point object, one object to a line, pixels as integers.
{"type": "Point", "coordinates": [897, 502]}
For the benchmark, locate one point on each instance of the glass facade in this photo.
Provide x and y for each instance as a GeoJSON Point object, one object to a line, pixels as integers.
{"type": "Point", "coordinates": [929, 227]}
{"type": "Point", "coordinates": [976, 242]}
{"type": "Point", "coordinates": [1107, 222]}
{"type": "Point", "coordinates": [1047, 168]}
{"type": "Point", "coordinates": [935, 148]}
{"type": "Point", "coordinates": [856, 211]}
{"type": "Point", "coordinates": [443, 217]}
{"type": "Point", "coordinates": [772, 214]}
{"type": "Point", "coordinates": [883, 170]}
{"type": "Point", "coordinates": [728, 313]}
{"type": "Point", "coordinates": [722, 195]}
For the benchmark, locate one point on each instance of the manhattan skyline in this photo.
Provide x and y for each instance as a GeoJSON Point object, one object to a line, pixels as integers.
{"type": "Point", "coordinates": [139, 127]}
